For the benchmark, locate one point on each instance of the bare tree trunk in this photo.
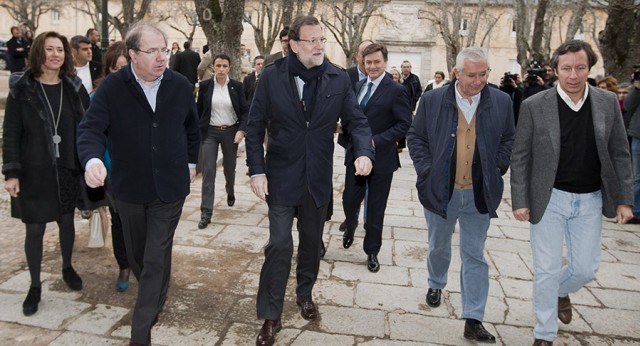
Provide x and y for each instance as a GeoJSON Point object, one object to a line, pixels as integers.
{"type": "Point", "coordinates": [578, 11]}
{"type": "Point", "coordinates": [223, 28]}
{"type": "Point", "coordinates": [522, 26]}
{"type": "Point", "coordinates": [620, 39]}
{"type": "Point", "coordinates": [538, 30]}
{"type": "Point", "coordinates": [287, 12]}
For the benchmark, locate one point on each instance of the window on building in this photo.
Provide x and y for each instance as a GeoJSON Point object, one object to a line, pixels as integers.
{"type": "Point", "coordinates": [55, 16]}
{"type": "Point", "coordinates": [580, 33]}
{"type": "Point", "coordinates": [464, 25]}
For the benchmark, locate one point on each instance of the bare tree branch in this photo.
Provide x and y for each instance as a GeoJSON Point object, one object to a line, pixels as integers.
{"type": "Point", "coordinates": [28, 12]}
{"type": "Point", "coordinates": [347, 24]}
{"type": "Point", "coordinates": [449, 17]}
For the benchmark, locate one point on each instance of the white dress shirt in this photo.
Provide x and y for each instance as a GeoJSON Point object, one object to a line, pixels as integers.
{"type": "Point", "coordinates": [222, 112]}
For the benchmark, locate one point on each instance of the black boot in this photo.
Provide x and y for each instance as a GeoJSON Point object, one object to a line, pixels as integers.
{"type": "Point", "coordinates": [72, 279]}
{"type": "Point", "coordinates": [30, 304]}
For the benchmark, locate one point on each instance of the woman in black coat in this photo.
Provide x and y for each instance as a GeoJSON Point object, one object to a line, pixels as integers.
{"type": "Point", "coordinates": [40, 164]}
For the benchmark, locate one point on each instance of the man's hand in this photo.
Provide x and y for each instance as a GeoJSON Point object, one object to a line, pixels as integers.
{"type": "Point", "coordinates": [192, 174]}
{"type": "Point", "coordinates": [239, 137]}
{"type": "Point", "coordinates": [259, 186]}
{"type": "Point", "coordinates": [12, 185]}
{"type": "Point", "coordinates": [624, 213]}
{"type": "Point", "coordinates": [521, 214]}
{"type": "Point", "coordinates": [95, 175]}
{"type": "Point", "coordinates": [339, 128]}
{"type": "Point", "coordinates": [363, 166]}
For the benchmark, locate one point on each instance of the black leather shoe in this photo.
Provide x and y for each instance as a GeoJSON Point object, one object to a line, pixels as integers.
{"type": "Point", "coordinates": [203, 223]}
{"type": "Point", "coordinates": [267, 335]}
{"type": "Point", "coordinates": [474, 330]}
{"type": "Point", "coordinates": [72, 279]}
{"type": "Point", "coordinates": [347, 238]}
{"type": "Point", "coordinates": [540, 342]}
{"type": "Point", "coordinates": [434, 297]}
{"type": "Point", "coordinates": [231, 200]}
{"type": "Point", "coordinates": [308, 310]}
{"type": "Point", "coordinates": [564, 309]}
{"type": "Point", "coordinates": [372, 263]}
{"type": "Point", "coordinates": [323, 250]}
{"type": "Point", "coordinates": [30, 304]}
{"type": "Point", "coordinates": [343, 226]}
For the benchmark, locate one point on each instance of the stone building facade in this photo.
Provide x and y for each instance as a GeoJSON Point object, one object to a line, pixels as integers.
{"type": "Point", "coordinates": [400, 25]}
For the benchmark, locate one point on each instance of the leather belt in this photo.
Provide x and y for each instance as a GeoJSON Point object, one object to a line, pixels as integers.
{"type": "Point", "coordinates": [224, 127]}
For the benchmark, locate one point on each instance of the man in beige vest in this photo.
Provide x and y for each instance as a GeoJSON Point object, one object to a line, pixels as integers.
{"type": "Point", "coordinates": [460, 143]}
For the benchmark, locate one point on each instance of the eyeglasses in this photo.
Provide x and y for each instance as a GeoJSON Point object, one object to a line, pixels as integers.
{"type": "Point", "coordinates": [580, 70]}
{"type": "Point", "coordinates": [482, 74]}
{"type": "Point", "coordinates": [155, 51]}
{"type": "Point", "coordinates": [314, 41]}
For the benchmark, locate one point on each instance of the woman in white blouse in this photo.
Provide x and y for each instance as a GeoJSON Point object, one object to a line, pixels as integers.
{"type": "Point", "coordinates": [223, 117]}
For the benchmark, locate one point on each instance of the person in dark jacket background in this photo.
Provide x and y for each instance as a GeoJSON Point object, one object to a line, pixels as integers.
{"type": "Point", "coordinates": [18, 48]}
{"type": "Point", "coordinates": [460, 143]}
{"type": "Point", "coordinates": [186, 63]}
{"type": "Point", "coordinates": [40, 165]}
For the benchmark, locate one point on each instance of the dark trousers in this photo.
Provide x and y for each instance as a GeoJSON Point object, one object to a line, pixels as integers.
{"type": "Point", "coordinates": [148, 237]}
{"type": "Point", "coordinates": [355, 187]}
{"type": "Point", "coordinates": [277, 262]}
{"type": "Point", "coordinates": [117, 240]}
{"type": "Point", "coordinates": [215, 138]}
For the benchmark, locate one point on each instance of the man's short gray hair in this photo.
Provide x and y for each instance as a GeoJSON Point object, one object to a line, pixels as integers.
{"type": "Point", "coordinates": [132, 39]}
{"type": "Point", "coordinates": [475, 54]}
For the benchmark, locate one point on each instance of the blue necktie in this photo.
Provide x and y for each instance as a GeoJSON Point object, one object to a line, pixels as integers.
{"type": "Point", "coordinates": [365, 99]}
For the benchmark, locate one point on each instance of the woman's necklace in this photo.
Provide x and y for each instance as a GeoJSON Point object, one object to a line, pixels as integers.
{"type": "Point", "coordinates": [56, 137]}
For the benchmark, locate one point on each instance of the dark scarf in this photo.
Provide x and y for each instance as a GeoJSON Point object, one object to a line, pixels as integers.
{"type": "Point", "coordinates": [310, 77]}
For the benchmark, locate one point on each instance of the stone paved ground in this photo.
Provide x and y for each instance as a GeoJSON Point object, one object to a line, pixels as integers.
{"type": "Point", "coordinates": [216, 270]}
{"type": "Point", "coordinates": [215, 278]}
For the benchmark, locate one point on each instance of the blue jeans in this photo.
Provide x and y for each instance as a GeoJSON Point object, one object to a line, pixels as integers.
{"type": "Point", "coordinates": [474, 274]}
{"type": "Point", "coordinates": [577, 219]}
{"type": "Point", "coordinates": [635, 160]}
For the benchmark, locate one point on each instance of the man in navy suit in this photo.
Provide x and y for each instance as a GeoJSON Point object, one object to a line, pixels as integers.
{"type": "Point", "coordinates": [386, 105]}
{"type": "Point", "coordinates": [147, 115]}
{"type": "Point", "coordinates": [299, 100]}
{"type": "Point", "coordinates": [356, 74]}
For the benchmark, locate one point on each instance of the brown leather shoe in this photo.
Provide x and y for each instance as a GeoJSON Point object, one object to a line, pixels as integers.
{"type": "Point", "coordinates": [540, 342]}
{"type": "Point", "coordinates": [564, 309]}
{"type": "Point", "coordinates": [268, 332]}
{"type": "Point", "coordinates": [308, 310]}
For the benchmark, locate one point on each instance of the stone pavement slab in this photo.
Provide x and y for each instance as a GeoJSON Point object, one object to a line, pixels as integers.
{"type": "Point", "coordinates": [216, 273]}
